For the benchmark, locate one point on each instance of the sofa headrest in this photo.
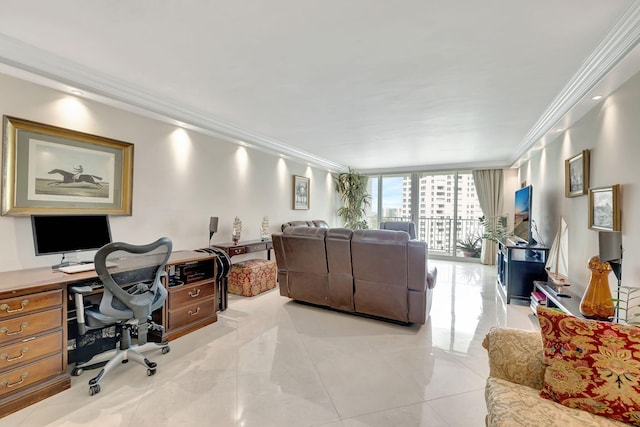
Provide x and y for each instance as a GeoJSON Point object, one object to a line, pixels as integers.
{"type": "Point", "coordinates": [339, 233]}
{"type": "Point", "coordinates": [320, 223]}
{"type": "Point", "coordinates": [312, 232]}
{"type": "Point", "coordinates": [380, 236]}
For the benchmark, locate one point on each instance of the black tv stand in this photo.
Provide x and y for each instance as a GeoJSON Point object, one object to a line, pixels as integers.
{"type": "Point", "coordinates": [518, 266]}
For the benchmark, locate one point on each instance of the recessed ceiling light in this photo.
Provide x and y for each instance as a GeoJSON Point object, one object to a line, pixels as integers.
{"type": "Point", "coordinates": [76, 92]}
{"type": "Point", "coordinates": [597, 97]}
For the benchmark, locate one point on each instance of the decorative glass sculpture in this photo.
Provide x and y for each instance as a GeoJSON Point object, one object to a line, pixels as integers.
{"type": "Point", "coordinates": [264, 228]}
{"type": "Point", "coordinates": [596, 302]}
{"type": "Point", "coordinates": [237, 229]}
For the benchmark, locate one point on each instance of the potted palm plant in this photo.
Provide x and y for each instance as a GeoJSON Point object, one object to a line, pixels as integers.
{"type": "Point", "coordinates": [470, 245]}
{"type": "Point", "coordinates": [495, 228]}
{"type": "Point", "coordinates": [352, 187]}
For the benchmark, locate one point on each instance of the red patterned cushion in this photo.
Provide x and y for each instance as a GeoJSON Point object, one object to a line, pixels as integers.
{"type": "Point", "coordinates": [591, 365]}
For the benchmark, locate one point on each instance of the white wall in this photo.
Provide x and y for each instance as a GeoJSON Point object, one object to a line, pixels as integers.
{"type": "Point", "coordinates": [181, 178]}
{"type": "Point", "coordinates": [611, 130]}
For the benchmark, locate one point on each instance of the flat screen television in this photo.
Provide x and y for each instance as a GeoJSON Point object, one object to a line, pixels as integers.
{"type": "Point", "coordinates": [522, 216]}
{"type": "Point", "coordinates": [60, 234]}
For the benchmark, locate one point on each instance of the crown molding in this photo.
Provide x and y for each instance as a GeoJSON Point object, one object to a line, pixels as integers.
{"type": "Point", "coordinates": [51, 70]}
{"type": "Point", "coordinates": [618, 43]}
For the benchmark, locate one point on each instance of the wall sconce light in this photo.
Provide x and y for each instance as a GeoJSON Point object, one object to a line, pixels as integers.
{"type": "Point", "coordinates": [213, 227]}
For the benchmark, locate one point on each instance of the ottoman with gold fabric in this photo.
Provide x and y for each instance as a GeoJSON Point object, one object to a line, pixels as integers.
{"type": "Point", "coordinates": [252, 277]}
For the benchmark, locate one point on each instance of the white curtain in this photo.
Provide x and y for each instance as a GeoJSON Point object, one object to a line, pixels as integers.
{"type": "Point", "coordinates": [489, 186]}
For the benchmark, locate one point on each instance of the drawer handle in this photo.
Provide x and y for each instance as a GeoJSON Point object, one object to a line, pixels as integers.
{"type": "Point", "coordinates": [194, 294]}
{"type": "Point", "coordinates": [193, 313]}
{"type": "Point", "coordinates": [23, 304]}
{"type": "Point", "coordinates": [13, 359]}
{"type": "Point", "coordinates": [9, 385]}
{"type": "Point", "coordinates": [5, 330]}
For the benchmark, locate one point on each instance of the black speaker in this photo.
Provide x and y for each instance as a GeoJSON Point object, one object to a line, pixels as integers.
{"type": "Point", "coordinates": [213, 226]}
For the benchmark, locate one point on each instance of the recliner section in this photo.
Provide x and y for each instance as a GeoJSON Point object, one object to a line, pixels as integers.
{"type": "Point", "coordinates": [380, 273]}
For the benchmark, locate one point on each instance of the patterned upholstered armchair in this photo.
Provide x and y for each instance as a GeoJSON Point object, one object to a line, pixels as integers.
{"type": "Point", "coordinates": [512, 392]}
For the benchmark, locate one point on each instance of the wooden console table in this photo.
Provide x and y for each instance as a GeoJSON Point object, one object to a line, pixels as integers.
{"type": "Point", "coordinates": [247, 247]}
{"type": "Point", "coordinates": [33, 322]}
{"type": "Point", "coordinates": [240, 248]}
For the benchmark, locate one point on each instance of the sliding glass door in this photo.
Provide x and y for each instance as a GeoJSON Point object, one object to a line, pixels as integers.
{"type": "Point", "coordinates": [443, 205]}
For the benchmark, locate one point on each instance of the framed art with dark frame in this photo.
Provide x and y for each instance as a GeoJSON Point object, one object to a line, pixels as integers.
{"type": "Point", "coordinates": [52, 170]}
{"type": "Point", "coordinates": [604, 208]}
{"type": "Point", "coordinates": [300, 192]}
{"type": "Point", "coordinates": [576, 175]}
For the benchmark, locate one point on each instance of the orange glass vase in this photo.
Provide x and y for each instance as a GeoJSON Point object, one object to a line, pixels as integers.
{"type": "Point", "coordinates": [596, 302]}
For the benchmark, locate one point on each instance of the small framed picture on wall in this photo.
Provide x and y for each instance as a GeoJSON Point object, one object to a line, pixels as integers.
{"type": "Point", "coordinates": [604, 208]}
{"type": "Point", "coordinates": [576, 175]}
{"type": "Point", "coordinates": [300, 192]}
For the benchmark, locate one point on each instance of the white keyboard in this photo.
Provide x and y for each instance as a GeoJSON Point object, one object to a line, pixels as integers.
{"type": "Point", "coordinates": [78, 268]}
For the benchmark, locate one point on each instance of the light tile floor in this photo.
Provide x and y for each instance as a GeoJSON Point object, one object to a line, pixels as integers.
{"type": "Point", "coordinates": [269, 361]}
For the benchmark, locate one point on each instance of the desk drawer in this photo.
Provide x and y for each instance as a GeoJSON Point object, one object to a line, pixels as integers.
{"type": "Point", "coordinates": [27, 303]}
{"type": "Point", "coordinates": [24, 376]}
{"type": "Point", "coordinates": [21, 327]}
{"type": "Point", "coordinates": [237, 251]}
{"type": "Point", "coordinates": [30, 349]}
{"type": "Point", "coordinates": [256, 247]}
{"type": "Point", "coordinates": [190, 294]}
{"type": "Point", "coordinates": [192, 313]}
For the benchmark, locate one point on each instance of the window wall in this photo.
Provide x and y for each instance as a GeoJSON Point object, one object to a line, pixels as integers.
{"type": "Point", "coordinates": [443, 205]}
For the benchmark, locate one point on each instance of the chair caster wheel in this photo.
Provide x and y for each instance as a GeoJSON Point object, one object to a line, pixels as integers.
{"type": "Point", "coordinates": [94, 389]}
{"type": "Point", "coordinates": [77, 371]}
{"type": "Point", "coordinates": [151, 372]}
{"type": "Point", "coordinates": [166, 350]}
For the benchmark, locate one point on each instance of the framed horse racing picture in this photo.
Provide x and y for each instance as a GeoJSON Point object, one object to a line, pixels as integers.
{"type": "Point", "coordinates": [52, 170]}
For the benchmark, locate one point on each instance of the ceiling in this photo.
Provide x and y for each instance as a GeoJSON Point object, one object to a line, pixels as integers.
{"type": "Point", "coordinates": [374, 85]}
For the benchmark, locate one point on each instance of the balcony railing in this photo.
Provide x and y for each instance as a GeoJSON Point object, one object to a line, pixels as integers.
{"type": "Point", "coordinates": [438, 232]}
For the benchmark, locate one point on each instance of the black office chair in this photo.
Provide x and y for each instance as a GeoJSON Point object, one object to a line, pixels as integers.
{"type": "Point", "coordinates": [131, 276]}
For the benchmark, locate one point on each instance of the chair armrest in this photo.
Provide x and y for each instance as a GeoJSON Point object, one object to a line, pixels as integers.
{"type": "Point", "coordinates": [515, 355]}
{"type": "Point", "coordinates": [432, 278]}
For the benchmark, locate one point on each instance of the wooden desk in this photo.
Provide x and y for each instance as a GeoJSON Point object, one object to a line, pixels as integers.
{"type": "Point", "coordinates": [33, 324]}
{"type": "Point", "coordinates": [247, 247]}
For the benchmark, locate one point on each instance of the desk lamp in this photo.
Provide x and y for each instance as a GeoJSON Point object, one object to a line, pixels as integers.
{"type": "Point", "coordinates": [213, 227]}
{"type": "Point", "coordinates": [610, 248]}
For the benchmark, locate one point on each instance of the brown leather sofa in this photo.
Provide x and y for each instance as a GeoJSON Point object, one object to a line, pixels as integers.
{"type": "Point", "coordinates": [380, 273]}
{"type": "Point", "coordinates": [314, 223]}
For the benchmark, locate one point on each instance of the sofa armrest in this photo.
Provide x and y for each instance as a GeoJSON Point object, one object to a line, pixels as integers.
{"type": "Point", "coordinates": [515, 355]}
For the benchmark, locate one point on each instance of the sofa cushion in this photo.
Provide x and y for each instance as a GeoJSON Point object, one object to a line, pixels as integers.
{"type": "Point", "coordinates": [513, 405]}
{"type": "Point", "coordinates": [591, 365]}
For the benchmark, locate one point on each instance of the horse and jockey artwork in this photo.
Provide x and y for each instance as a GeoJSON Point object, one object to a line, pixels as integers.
{"type": "Point", "coordinates": [75, 180]}
{"type": "Point", "coordinates": [56, 170]}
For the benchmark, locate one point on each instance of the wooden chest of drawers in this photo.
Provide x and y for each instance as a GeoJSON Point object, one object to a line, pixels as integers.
{"type": "Point", "coordinates": [32, 351]}
{"type": "Point", "coordinates": [192, 305]}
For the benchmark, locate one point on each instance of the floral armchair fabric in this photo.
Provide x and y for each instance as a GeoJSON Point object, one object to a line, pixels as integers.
{"type": "Point", "coordinates": [512, 392]}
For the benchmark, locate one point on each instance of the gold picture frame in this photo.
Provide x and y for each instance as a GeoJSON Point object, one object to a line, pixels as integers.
{"type": "Point", "coordinates": [52, 170]}
{"type": "Point", "coordinates": [604, 208]}
{"type": "Point", "coordinates": [301, 191]}
{"type": "Point", "coordinates": [576, 175]}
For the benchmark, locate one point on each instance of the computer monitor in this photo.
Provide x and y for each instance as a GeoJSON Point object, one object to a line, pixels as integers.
{"type": "Point", "coordinates": [61, 234]}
